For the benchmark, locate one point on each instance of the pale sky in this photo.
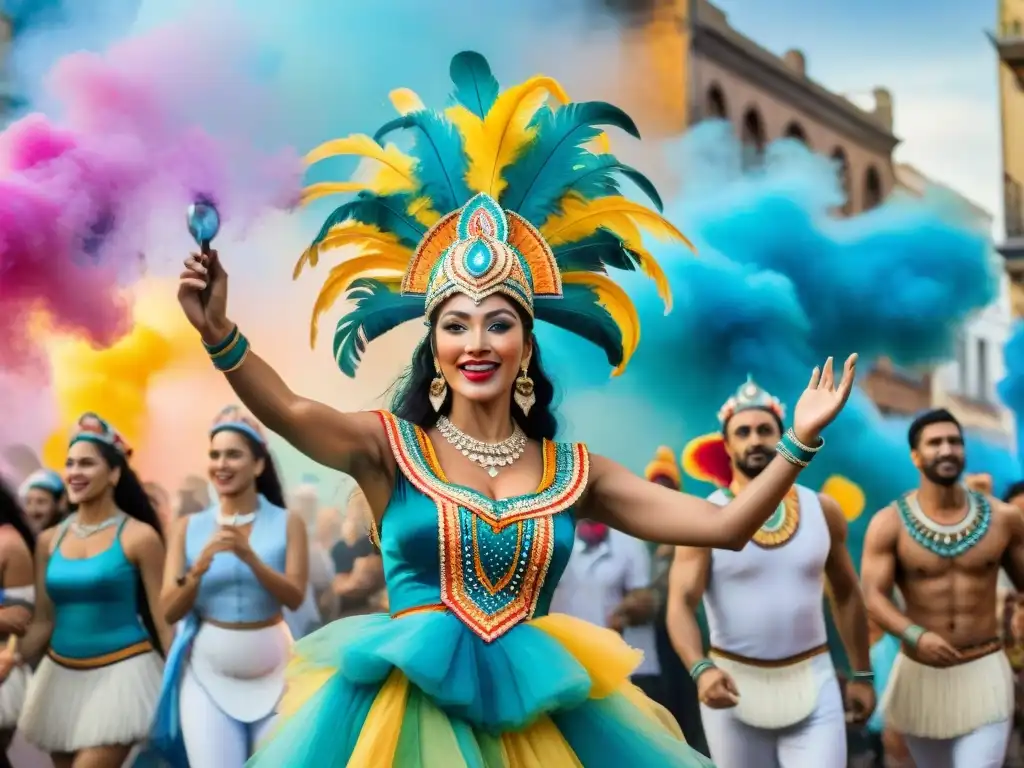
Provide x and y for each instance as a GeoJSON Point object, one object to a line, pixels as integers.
{"type": "Point", "coordinates": [938, 64]}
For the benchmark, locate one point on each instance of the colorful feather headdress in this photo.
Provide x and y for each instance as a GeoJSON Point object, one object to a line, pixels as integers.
{"type": "Point", "coordinates": [511, 192]}
{"type": "Point", "coordinates": [705, 457]}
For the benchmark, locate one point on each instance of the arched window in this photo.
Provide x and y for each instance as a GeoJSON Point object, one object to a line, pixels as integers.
{"type": "Point", "coordinates": [795, 131]}
{"type": "Point", "coordinates": [872, 188]}
{"type": "Point", "coordinates": [716, 109]}
{"type": "Point", "coordinates": [843, 170]}
{"type": "Point", "coordinates": [753, 138]}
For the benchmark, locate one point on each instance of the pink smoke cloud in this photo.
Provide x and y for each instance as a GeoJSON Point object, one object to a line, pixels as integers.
{"type": "Point", "coordinates": [77, 196]}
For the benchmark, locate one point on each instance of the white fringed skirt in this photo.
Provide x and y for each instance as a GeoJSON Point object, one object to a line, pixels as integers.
{"type": "Point", "coordinates": [12, 696]}
{"type": "Point", "coordinates": [67, 709]}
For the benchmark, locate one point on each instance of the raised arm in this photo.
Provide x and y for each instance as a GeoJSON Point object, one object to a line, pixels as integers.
{"type": "Point", "coordinates": [648, 511]}
{"type": "Point", "coordinates": [354, 443]}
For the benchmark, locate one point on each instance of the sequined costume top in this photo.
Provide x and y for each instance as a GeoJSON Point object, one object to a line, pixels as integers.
{"type": "Point", "coordinates": [470, 669]}
{"type": "Point", "coordinates": [493, 564]}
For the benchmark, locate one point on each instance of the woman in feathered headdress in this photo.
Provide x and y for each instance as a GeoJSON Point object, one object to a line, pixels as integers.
{"type": "Point", "coordinates": [507, 212]}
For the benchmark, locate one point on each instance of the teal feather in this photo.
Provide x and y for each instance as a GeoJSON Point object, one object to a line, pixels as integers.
{"type": "Point", "coordinates": [596, 178]}
{"type": "Point", "coordinates": [594, 254]}
{"type": "Point", "coordinates": [579, 312]}
{"type": "Point", "coordinates": [387, 212]}
{"type": "Point", "coordinates": [377, 310]}
{"type": "Point", "coordinates": [475, 87]}
{"type": "Point", "coordinates": [539, 179]}
{"type": "Point", "coordinates": [441, 162]}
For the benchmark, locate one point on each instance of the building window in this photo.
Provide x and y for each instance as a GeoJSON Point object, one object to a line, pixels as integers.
{"type": "Point", "coordinates": [872, 189]}
{"type": "Point", "coordinates": [1013, 206]}
{"type": "Point", "coordinates": [843, 171]}
{"type": "Point", "coordinates": [795, 131]}
{"type": "Point", "coordinates": [753, 138]}
{"type": "Point", "coordinates": [716, 108]}
{"type": "Point", "coordinates": [982, 363]}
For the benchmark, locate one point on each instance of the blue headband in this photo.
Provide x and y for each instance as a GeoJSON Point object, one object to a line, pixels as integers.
{"type": "Point", "coordinates": [45, 480]}
{"type": "Point", "coordinates": [240, 427]}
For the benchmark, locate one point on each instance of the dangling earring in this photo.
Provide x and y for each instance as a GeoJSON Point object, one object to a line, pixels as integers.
{"type": "Point", "coordinates": [523, 395]}
{"type": "Point", "coordinates": [438, 388]}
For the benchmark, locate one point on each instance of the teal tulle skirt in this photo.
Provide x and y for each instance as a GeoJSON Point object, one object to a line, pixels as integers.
{"type": "Point", "coordinates": [423, 691]}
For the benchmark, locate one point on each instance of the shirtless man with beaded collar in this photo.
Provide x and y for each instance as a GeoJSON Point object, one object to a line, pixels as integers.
{"type": "Point", "coordinates": [951, 690]}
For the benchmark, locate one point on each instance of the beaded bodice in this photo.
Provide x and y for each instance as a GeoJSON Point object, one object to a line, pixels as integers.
{"type": "Point", "coordinates": [493, 564]}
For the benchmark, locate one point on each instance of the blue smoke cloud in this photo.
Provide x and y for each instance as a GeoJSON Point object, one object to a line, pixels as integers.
{"type": "Point", "coordinates": [776, 287]}
{"type": "Point", "coordinates": [1011, 388]}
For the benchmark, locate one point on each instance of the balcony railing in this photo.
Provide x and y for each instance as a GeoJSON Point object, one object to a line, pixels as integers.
{"type": "Point", "coordinates": [1013, 206]}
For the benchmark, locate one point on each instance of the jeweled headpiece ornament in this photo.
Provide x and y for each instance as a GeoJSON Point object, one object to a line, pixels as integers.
{"type": "Point", "coordinates": [705, 457]}
{"type": "Point", "coordinates": [750, 395]}
{"type": "Point", "coordinates": [234, 419]}
{"type": "Point", "coordinates": [510, 192]}
{"type": "Point", "coordinates": [92, 428]}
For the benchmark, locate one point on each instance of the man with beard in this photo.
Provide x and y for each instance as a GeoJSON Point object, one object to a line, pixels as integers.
{"type": "Point", "coordinates": [769, 693]}
{"type": "Point", "coordinates": [951, 689]}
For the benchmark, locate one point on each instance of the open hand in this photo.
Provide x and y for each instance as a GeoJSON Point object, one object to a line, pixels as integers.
{"type": "Point", "coordinates": [203, 295]}
{"type": "Point", "coordinates": [822, 401]}
{"type": "Point", "coordinates": [933, 650]}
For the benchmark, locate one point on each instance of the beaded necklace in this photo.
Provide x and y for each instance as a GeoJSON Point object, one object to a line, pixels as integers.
{"type": "Point", "coordinates": [781, 526]}
{"type": "Point", "coordinates": [946, 540]}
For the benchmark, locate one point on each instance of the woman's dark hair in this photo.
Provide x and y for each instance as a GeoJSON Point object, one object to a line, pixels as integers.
{"type": "Point", "coordinates": [132, 499]}
{"type": "Point", "coordinates": [411, 399]}
{"type": "Point", "coordinates": [268, 484]}
{"type": "Point", "coordinates": [12, 514]}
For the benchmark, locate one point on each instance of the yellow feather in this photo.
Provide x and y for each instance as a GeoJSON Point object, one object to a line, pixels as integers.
{"type": "Point", "coordinates": [496, 141]}
{"type": "Point", "coordinates": [581, 218]}
{"type": "Point", "coordinates": [611, 296]}
{"type": "Point", "coordinates": [397, 172]}
{"type": "Point", "coordinates": [405, 101]}
{"type": "Point", "coordinates": [367, 265]}
{"type": "Point", "coordinates": [352, 233]}
{"type": "Point", "coordinates": [325, 188]}
{"type": "Point", "coordinates": [421, 210]}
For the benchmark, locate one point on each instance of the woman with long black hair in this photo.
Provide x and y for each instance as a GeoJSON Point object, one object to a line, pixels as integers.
{"type": "Point", "coordinates": [508, 212]}
{"type": "Point", "coordinates": [17, 601]}
{"type": "Point", "coordinates": [94, 693]}
{"type": "Point", "coordinates": [231, 570]}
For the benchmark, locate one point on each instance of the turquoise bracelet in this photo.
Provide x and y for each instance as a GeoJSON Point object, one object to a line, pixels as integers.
{"type": "Point", "coordinates": [700, 668]}
{"type": "Point", "coordinates": [795, 452]}
{"type": "Point", "coordinates": [220, 346]}
{"type": "Point", "coordinates": [229, 354]}
{"type": "Point", "coordinates": [912, 635]}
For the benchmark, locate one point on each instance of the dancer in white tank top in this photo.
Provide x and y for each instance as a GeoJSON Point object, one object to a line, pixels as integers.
{"type": "Point", "coordinates": [769, 693]}
{"type": "Point", "coordinates": [951, 690]}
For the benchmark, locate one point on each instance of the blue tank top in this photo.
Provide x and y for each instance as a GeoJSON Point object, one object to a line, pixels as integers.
{"type": "Point", "coordinates": [229, 591]}
{"type": "Point", "coordinates": [95, 603]}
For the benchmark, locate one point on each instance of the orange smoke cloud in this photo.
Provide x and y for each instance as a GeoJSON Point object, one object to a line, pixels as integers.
{"type": "Point", "coordinates": [115, 382]}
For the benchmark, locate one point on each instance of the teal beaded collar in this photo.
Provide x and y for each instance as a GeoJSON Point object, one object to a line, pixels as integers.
{"type": "Point", "coordinates": [947, 540]}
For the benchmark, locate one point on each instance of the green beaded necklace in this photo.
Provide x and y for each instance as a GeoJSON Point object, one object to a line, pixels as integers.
{"type": "Point", "coordinates": [946, 540]}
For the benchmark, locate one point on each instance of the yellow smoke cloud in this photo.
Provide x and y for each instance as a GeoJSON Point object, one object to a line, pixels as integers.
{"type": "Point", "coordinates": [115, 382]}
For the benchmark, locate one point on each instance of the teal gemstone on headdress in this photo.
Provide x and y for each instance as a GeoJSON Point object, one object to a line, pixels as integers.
{"type": "Point", "coordinates": [750, 395]}
{"type": "Point", "coordinates": [478, 259]}
{"type": "Point", "coordinates": [482, 217]}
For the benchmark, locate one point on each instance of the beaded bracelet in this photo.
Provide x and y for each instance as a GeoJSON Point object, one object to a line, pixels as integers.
{"type": "Point", "coordinates": [229, 354]}
{"type": "Point", "coordinates": [795, 452]}
{"type": "Point", "coordinates": [700, 668]}
{"type": "Point", "coordinates": [912, 635]}
{"type": "Point", "coordinates": [864, 677]}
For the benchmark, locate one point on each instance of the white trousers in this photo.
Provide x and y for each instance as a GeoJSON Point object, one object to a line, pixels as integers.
{"type": "Point", "coordinates": [212, 738]}
{"type": "Point", "coordinates": [984, 747]}
{"type": "Point", "coordinates": [819, 741]}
